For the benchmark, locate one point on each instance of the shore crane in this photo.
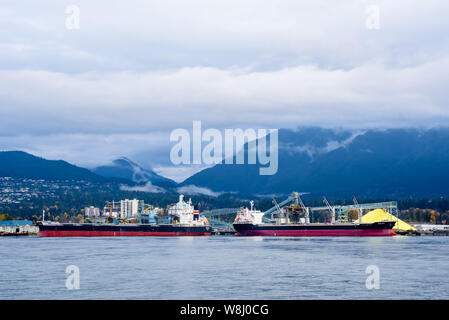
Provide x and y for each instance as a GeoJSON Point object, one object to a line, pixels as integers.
{"type": "Point", "coordinates": [330, 208]}
{"type": "Point", "coordinates": [294, 197]}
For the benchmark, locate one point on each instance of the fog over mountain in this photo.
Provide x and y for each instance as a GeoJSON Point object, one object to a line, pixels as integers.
{"type": "Point", "coordinates": [388, 163]}
{"type": "Point", "coordinates": [128, 169]}
{"type": "Point", "coordinates": [392, 163]}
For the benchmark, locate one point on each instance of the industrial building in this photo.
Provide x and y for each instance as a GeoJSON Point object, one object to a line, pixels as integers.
{"type": "Point", "coordinates": [17, 227]}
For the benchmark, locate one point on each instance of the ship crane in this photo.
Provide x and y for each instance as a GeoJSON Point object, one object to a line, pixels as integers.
{"type": "Point", "coordinates": [331, 209]}
{"type": "Point", "coordinates": [278, 209]}
{"type": "Point", "coordinates": [306, 210]}
{"type": "Point", "coordinates": [359, 209]}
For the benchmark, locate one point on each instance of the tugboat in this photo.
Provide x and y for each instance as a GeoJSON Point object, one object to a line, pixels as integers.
{"type": "Point", "coordinates": [185, 221]}
{"type": "Point", "coordinates": [250, 222]}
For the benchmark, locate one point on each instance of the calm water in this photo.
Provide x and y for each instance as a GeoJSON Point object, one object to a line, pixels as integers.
{"type": "Point", "coordinates": [224, 268]}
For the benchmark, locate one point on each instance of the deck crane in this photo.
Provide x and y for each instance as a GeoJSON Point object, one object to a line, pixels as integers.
{"type": "Point", "coordinates": [306, 210]}
{"type": "Point", "coordinates": [359, 209]}
{"type": "Point", "coordinates": [330, 208]}
{"type": "Point", "coordinates": [278, 209]}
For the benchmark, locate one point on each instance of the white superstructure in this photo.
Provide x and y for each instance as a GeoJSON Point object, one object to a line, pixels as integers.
{"type": "Point", "coordinates": [251, 215]}
{"type": "Point", "coordinates": [184, 213]}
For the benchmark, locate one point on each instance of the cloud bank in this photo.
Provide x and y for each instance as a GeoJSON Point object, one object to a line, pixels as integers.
{"type": "Point", "coordinates": [148, 187]}
{"type": "Point", "coordinates": [134, 72]}
{"type": "Point", "coordinates": [194, 190]}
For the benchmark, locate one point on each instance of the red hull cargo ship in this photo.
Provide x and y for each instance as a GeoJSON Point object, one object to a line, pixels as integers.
{"type": "Point", "coordinates": [185, 222]}
{"type": "Point", "coordinates": [250, 222]}
{"type": "Point", "coordinates": [119, 230]}
{"type": "Point", "coordinates": [376, 229]}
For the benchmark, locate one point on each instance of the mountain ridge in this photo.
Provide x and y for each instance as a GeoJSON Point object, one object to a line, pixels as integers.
{"type": "Point", "coordinates": [392, 162]}
{"type": "Point", "coordinates": [20, 164]}
{"type": "Point", "coordinates": [130, 170]}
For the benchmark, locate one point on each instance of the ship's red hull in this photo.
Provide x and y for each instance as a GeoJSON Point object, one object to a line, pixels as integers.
{"type": "Point", "coordinates": [318, 233]}
{"type": "Point", "coordinates": [376, 229]}
{"type": "Point", "coordinates": [118, 234]}
{"type": "Point", "coordinates": [120, 230]}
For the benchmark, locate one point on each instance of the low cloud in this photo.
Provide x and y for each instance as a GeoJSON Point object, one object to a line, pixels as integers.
{"type": "Point", "coordinates": [129, 103]}
{"type": "Point", "coordinates": [334, 144]}
{"type": "Point", "coordinates": [179, 173]}
{"type": "Point", "coordinates": [87, 98]}
{"type": "Point", "coordinates": [312, 150]}
{"type": "Point", "coordinates": [148, 187]}
{"type": "Point", "coordinates": [194, 190]}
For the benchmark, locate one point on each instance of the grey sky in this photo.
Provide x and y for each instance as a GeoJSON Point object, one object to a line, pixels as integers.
{"type": "Point", "coordinates": [136, 70]}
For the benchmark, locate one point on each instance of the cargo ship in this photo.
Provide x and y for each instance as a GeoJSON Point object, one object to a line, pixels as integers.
{"type": "Point", "coordinates": [250, 222]}
{"type": "Point", "coordinates": [375, 229]}
{"type": "Point", "coordinates": [185, 221]}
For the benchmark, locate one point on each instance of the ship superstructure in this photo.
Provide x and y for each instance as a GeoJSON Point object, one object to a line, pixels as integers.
{"type": "Point", "coordinates": [185, 214]}
{"type": "Point", "coordinates": [245, 215]}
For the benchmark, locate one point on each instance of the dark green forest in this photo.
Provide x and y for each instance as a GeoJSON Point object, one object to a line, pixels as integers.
{"type": "Point", "coordinates": [72, 203]}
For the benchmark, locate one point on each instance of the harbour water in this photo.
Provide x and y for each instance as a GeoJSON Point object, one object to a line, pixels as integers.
{"type": "Point", "coordinates": [224, 267]}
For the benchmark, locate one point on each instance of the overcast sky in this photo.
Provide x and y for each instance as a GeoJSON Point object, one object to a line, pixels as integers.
{"type": "Point", "coordinates": [136, 70]}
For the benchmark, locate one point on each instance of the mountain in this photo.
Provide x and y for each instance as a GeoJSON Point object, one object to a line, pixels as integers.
{"type": "Point", "coordinates": [126, 169]}
{"type": "Point", "coordinates": [374, 163]}
{"type": "Point", "coordinates": [19, 164]}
